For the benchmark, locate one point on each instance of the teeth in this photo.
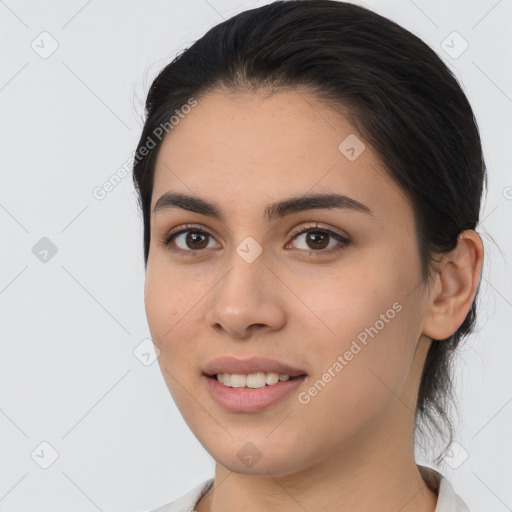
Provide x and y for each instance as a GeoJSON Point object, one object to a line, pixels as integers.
{"type": "Point", "coordinates": [253, 380]}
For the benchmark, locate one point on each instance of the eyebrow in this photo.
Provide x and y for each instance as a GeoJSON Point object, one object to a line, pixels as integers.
{"type": "Point", "coordinates": [272, 211]}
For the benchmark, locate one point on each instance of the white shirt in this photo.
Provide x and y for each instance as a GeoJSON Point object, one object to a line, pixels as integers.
{"type": "Point", "coordinates": [447, 500]}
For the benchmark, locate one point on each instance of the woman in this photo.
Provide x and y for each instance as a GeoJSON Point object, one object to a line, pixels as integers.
{"type": "Point", "coordinates": [310, 176]}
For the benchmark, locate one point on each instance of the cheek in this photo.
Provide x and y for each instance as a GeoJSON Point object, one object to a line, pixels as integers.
{"type": "Point", "coordinates": [157, 303]}
{"type": "Point", "coordinates": [165, 296]}
{"type": "Point", "coordinates": [349, 300]}
{"type": "Point", "coordinates": [364, 333]}
{"type": "Point", "coordinates": [357, 384]}
{"type": "Point", "coordinates": [165, 310]}
{"type": "Point", "coordinates": [174, 305]}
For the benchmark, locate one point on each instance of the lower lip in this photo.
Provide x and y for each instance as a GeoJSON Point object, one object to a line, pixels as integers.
{"type": "Point", "coordinates": [248, 399]}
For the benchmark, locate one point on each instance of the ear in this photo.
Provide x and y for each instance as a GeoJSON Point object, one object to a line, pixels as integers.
{"type": "Point", "coordinates": [454, 288]}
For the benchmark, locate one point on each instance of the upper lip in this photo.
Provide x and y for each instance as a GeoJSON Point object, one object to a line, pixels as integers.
{"type": "Point", "coordinates": [232, 365]}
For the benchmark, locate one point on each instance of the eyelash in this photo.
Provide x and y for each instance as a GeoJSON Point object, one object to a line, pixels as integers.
{"type": "Point", "coordinates": [344, 241]}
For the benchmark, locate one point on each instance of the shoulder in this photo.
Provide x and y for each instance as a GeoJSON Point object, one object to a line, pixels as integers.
{"type": "Point", "coordinates": [187, 502]}
{"type": "Point", "coordinates": [447, 499]}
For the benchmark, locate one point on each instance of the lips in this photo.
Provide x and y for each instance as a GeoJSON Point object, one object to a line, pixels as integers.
{"type": "Point", "coordinates": [233, 365]}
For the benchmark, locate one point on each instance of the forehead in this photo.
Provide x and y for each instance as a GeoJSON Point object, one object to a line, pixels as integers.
{"type": "Point", "coordinates": [256, 127]}
{"type": "Point", "coordinates": [241, 147]}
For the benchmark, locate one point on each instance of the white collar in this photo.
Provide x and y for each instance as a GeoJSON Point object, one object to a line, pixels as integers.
{"type": "Point", "coordinates": [447, 499]}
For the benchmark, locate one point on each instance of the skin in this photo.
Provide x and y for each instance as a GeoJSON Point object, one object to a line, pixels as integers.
{"type": "Point", "coordinates": [351, 447]}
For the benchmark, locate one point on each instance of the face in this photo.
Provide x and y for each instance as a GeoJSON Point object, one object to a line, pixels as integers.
{"type": "Point", "coordinates": [335, 292]}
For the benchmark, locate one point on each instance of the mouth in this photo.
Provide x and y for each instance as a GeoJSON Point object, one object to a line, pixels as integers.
{"type": "Point", "coordinates": [253, 380]}
{"type": "Point", "coordinates": [252, 393]}
{"type": "Point", "coordinates": [252, 367]}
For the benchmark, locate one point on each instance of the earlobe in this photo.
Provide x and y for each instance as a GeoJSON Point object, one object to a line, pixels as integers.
{"type": "Point", "coordinates": [455, 287]}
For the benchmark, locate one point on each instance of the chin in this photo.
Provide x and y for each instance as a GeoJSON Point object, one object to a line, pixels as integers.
{"type": "Point", "coordinates": [257, 459]}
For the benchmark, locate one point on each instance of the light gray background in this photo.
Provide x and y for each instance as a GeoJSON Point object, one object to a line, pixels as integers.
{"type": "Point", "coordinates": [69, 326]}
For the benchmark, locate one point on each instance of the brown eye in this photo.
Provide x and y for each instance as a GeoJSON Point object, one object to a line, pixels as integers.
{"type": "Point", "coordinates": [196, 240]}
{"type": "Point", "coordinates": [187, 241]}
{"type": "Point", "coordinates": [319, 241]}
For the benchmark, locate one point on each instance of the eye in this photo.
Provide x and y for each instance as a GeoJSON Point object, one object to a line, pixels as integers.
{"type": "Point", "coordinates": [317, 238]}
{"type": "Point", "coordinates": [191, 240]}
{"type": "Point", "coordinates": [185, 238]}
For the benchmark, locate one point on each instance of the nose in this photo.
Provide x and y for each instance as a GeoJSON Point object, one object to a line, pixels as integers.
{"type": "Point", "coordinates": [247, 298]}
